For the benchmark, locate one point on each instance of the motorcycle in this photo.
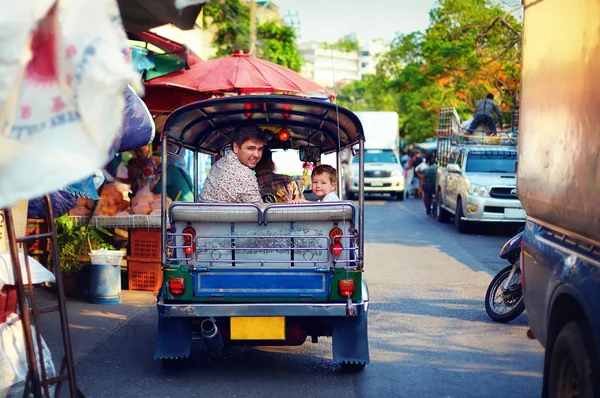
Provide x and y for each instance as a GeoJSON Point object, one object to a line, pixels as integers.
{"type": "Point", "coordinates": [504, 297]}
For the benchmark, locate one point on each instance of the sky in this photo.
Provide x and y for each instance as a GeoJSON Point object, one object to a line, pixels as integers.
{"type": "Point", "coordinates": [329, 20]}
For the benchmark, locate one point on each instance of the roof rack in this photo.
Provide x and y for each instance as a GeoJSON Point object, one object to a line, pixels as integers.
{"type": "Point", "coordinates": [450, 133]}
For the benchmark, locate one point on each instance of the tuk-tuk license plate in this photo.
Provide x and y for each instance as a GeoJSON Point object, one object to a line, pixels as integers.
{"type": "Point", "coordinates": [258, 328]}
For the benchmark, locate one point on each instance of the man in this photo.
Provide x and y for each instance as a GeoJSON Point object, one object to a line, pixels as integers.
{"type": "Point", "coordinates": [484, 114]}
{"type": "Point", "coordinates": [231, 179]}
{"type": "Point", "coordinates": [274, 187]}
{"type": "Point", "coordinates": [414, 179]}
{"type": "Point", "coordinates": [429, 185]}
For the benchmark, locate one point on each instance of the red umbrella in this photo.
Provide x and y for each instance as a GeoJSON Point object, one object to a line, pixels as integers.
{"type": "Point", "coordinates": [240, 73]}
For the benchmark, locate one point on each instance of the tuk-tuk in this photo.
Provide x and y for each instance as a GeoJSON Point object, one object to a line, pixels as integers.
{"type": "Point", "coordinates": [269, 274]}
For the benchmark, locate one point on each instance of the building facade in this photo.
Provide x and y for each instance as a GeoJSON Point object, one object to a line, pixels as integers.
{"type": "Point", "coordinates": [329, 68]}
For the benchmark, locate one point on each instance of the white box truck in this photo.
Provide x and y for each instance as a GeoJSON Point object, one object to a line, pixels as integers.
{"type": "Point", "coordinates": [383, 170]}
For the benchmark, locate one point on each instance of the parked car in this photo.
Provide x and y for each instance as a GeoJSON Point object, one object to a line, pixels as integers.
{"type": "Point", "coordinates": [478, 184]}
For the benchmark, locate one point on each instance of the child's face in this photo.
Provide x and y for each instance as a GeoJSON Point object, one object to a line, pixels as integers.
{"type": "Point", "coordinates": [322, 185]}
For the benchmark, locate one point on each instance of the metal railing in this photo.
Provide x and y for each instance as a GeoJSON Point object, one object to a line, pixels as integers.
{"type": "Point", "coordinates": [285, 243]}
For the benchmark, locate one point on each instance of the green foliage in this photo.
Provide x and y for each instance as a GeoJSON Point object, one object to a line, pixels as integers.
{"type": "Point", "coordinates": [470, 48]}
{"type": "Point", "coordinates": [372, 93]}
{"type": "Point", "coordinates": [232, 19]}
{"type": "Point", "coordinates": [72, 242]}
{"type": "Point", "coordinates": [347, 46]}
{"type": "Point", "coordinates": [275, 43]}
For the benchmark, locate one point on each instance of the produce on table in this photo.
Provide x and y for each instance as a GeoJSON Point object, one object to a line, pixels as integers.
{"type": "Point", "coordinates": [114, 201]}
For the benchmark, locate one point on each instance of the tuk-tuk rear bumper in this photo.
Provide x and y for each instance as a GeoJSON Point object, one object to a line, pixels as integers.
{"type": "Point", "coordinates": [258, 309]}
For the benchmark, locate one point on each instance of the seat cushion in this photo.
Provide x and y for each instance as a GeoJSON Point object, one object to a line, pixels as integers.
{"type": "Point", "coordinates": [330, 211]}
{"type": "Point", "coordinates": [215, 212]}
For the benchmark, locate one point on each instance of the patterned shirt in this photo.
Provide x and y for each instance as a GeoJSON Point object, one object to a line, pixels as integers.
{"type": "Point", "coordinates": [284, 188]}
{"type": "Point", "coordinates": [229, 181]}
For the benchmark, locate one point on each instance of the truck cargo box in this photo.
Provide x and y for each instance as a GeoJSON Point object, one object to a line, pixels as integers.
{"type": "Point", "coordinates": [559, 143]}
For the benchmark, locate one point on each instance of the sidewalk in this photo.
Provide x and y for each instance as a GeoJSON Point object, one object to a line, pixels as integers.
{"type": "Point", "coordinates": [89, 324]}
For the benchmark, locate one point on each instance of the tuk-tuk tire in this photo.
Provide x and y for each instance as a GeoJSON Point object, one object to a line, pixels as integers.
{"type": "Point", "coordinates": [352, 367]}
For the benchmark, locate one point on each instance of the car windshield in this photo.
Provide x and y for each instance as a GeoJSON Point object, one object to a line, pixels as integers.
{"type": "Point", "coordinates": [491, 163]}
{"type": "Point", "coordinates": [378, 157]}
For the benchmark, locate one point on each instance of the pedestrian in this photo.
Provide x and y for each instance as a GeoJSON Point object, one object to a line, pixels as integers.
{"type": "Point", "coordinates": [430, 185]}
{"type": "Point", "coordinates": [415, 181]}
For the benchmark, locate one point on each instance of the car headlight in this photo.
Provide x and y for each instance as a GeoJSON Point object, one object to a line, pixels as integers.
{"type": "Point", "coordinates": [396, 173]}
{"type": "Point", "coordinates": [478, 190]}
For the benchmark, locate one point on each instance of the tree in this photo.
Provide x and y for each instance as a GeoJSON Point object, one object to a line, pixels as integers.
{"type": "Point", "coordinates": [275, 42]}
{"type": "Point", "coordinates": [344, 45]}
{"type": "Point", "coordinates": [471, 47]}
{"type": "Point", "coordinates": [372, 93]}
{"type": "Point", "coordinates": [232, 19]}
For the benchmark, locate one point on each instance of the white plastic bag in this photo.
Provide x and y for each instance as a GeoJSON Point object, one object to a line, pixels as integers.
{"type": "Point", "coordinates": [62, 117]}
{"type": "Point", "coordinates": [13, 358]}
{"type": "Point", "coordinates": [39, 273]}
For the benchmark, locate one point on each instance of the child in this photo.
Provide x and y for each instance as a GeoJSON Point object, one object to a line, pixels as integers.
{"type": "Point", "coordinates": [324, 183]}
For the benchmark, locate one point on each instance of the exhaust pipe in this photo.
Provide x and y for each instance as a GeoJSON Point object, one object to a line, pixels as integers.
{"type": "Point", "coordinates": [212, 335]}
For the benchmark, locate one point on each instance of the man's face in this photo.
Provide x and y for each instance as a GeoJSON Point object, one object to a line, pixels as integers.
{"type": "Point", "coordinates": [249, 153]}
{"type": "Point", "coordinates": [142, 152]}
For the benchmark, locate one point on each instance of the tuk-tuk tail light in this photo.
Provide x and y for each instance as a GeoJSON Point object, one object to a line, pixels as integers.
{"type": "Point", "coordinates": [176, 285]}
{"type": "Point", "coordinates": [346, 287]}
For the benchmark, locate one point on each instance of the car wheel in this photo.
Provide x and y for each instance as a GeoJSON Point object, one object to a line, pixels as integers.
{"type": "Point", "coordinates": [573, 371]}
{"type": "Point", "coordinates": [352, 367]}
{"type": "Point", "coordinates": [397, 196]}
{"type": "Point", "coordinates": [442, 214]}
{"type": "Point", "coordinates": [461, 225]}
{"type": "Point", "coordinates": [351, 195]}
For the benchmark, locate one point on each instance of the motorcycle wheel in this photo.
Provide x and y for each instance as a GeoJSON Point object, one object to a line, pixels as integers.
{"type": "Point", "coordinates": [494, 299]}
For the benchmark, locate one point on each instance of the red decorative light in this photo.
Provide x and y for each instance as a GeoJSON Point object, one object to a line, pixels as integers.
{"type": "Point", "coordinates": [337, 248]}
{"type": "Point", "coordinates": [335, 232]}
{"type": "Point", "coordinates": [188, 240]}
{"type": "Point", "coordinates": [287, 107]}
{"type": "Point", "coordinates": [284, 135]}
{"type": "Point", "coordinates": [248, 107]}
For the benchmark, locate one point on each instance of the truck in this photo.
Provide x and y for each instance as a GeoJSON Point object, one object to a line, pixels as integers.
{"type": "Point", "coordinates": [476, 180]}
{"type": "Point", "coordinates": [383, 171]}
{"type": "Point", "coordinates": [558, 182]}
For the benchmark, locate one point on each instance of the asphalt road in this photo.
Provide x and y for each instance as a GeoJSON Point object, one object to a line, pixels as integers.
{"type": "Point", "coordinates": [429, 333]}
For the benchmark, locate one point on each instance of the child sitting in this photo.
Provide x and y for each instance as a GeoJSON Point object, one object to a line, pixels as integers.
{"type": "Point", "coordinates": [324, 183]}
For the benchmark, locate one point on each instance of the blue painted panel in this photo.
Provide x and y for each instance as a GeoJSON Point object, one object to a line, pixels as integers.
{"type": "Point", "coordinates": [262, 283]}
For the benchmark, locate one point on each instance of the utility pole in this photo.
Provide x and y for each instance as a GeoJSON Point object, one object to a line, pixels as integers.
{"type": "Point", "coordinates": [252, 27]}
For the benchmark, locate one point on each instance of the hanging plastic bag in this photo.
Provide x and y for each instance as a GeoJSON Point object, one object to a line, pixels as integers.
{"type": "Point", "coordinates": [13, 358]}
{"type": "Point", "coordinates": [64, 113]}
{"type": "Point", "coordinates": [138, 125]}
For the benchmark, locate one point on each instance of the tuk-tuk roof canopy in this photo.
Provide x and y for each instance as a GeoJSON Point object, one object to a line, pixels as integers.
{"type": "Point", "coordinates": [207, 126]}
